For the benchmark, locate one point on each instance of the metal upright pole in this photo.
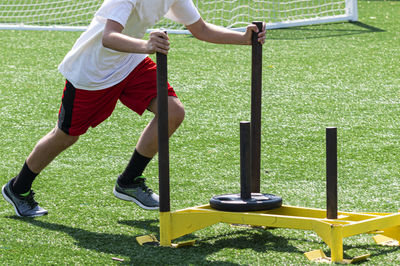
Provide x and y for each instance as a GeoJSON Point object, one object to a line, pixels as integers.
{"type": "Point", "coordinates": [331, 173]}
{"type": "Point", "coordinates": [256, 86]}
{"type": "Point", "coordinates": [163, 145]}
{"type": "Point", "coordinates": [245, 180]}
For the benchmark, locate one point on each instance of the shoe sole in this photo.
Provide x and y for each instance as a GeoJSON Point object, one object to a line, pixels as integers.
{"type": "Point", "coordinates": [8, 199]}
{"type": "Point", "coordinates": [5, 196]}
{"type": "Point", "coordinates": [129, 198]}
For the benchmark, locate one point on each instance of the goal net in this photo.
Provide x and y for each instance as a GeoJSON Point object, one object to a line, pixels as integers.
{"type": "Point", "coordinates": [77, 14]}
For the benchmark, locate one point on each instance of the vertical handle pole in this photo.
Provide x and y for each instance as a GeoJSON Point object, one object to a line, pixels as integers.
{"type": "Point", "coordinates": [331, 173]}
{"type": "Point", "coordinates": [245, 171]}
{"type": "Point", "coordinates": [163, 145]}
{"type": "Point", "coordinates": [256, 81]}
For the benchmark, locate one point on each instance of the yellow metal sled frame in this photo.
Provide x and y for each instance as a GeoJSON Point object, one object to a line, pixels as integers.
{"type": "Point", "coordinates": [332, 231]}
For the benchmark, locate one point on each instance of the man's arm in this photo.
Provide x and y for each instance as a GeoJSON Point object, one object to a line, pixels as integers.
{"type": "Point", "coordinates": [211, 33]}
{"type": "Point", "coordinates": [113, 38]}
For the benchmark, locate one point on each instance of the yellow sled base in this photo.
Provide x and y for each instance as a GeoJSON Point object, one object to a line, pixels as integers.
{"type": "Point", "coordinates": [332, 231]}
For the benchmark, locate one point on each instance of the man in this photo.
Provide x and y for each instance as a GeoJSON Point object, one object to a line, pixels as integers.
{"type": "Point", "coordinates": [108, 63]}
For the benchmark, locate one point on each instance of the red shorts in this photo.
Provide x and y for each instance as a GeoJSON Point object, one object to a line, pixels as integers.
{"type": "Point", "coordinates": [81, 109]}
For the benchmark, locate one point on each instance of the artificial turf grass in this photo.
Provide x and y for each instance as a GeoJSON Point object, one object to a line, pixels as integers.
{"type": "Point", "coordinates": [337, 74]}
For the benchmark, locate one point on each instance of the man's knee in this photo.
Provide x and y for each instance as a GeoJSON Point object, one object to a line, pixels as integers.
{"type": "Point", "coordinates": [64, 139]}
{"type": "Point", "coordinates": [176, 113]}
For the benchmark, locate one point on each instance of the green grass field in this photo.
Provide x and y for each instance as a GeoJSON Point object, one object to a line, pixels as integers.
{"type": "Point", "coordinates": [344, 74]}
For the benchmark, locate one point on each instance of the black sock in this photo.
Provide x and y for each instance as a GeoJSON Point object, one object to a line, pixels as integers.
{"type": "Point", "coordinates": [135, 168]}
{"type": "Point", "coordinates": [23, 181]}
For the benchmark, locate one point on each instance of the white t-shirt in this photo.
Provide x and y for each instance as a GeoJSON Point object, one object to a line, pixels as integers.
{"type": "Point", "coordinates": [91, 66]}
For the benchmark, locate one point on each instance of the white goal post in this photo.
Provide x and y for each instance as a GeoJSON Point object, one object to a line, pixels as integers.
{"type": "Point", "coordinates": [77, 14]}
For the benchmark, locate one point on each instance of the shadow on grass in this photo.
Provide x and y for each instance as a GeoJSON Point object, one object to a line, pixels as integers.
{"type": "Point", "coordinates": [371, 249]}
{"type": "Point", "coordinates": [258, 240]}
{"type": "Point", "coordinates": [125, 245]}
{"type": "Point", "coordinates": [322, 31]}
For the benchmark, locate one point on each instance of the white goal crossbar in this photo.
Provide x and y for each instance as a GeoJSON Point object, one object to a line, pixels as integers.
{"type": "Point", "coordinates": [75, 15]}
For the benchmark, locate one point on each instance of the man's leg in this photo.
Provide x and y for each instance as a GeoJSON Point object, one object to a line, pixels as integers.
{"type": "Point", "coordinates": [18, 190]}
{"type": "Point", "coordinates": [148, 141]}
{"type": "Point", "coordinates": [147, 145]}
{"type": "Point", "coordinates": [42, 155]}
{"type": "Point", "coordinates": [146, 148]}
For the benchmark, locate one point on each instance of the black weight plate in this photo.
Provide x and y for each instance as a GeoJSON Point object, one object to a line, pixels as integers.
{"type": "Point", "coordinates": [234, 203]}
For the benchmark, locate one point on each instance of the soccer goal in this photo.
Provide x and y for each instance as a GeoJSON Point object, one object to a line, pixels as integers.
{"type": "Point", "coordinates": [236, 14]}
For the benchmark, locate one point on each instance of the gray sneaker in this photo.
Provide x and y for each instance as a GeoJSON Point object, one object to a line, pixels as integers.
{"type": "Point", "coordinates": [139, 194]}
{"type": "Point", "coordinates": [23, 206]}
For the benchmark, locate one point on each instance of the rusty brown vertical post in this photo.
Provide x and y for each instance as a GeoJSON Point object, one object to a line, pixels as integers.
{"type": "Point", "coordinates": [163, 145]}
{"type": "Point", "coordinates": [331, 173]}
{"type": "Point", "coordinates": [256, 88]}
{"type": "Point", "coordinates": [245, 180]}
